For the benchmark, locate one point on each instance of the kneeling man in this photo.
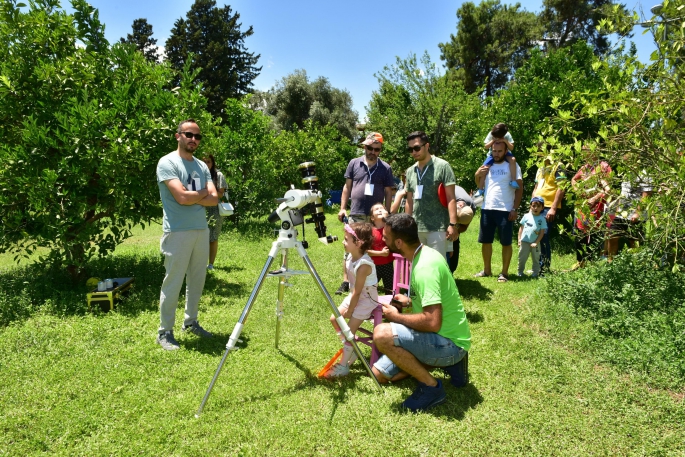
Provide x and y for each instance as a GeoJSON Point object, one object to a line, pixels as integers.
{"type": "Point", "coordinates": [435, 333]}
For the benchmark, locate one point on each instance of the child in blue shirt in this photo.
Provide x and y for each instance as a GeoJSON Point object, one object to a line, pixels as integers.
{"type": "Point", "coordinates": [531, 231]}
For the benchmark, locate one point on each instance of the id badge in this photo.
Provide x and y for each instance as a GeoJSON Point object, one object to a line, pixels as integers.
{"type": "Point", "coordinates": [419, 192]}
{"type": "Point", "coordinates": [196, 184]}
{"type": "Point", "coordinates": [368, 189]}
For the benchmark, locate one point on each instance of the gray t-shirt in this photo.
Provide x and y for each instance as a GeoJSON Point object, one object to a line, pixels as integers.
{"type": "Point", "coordinates": [194, 175]}
{"type": "Point", "coordinates": [428, 212]}
{"type": "Point", "coordinates": [380, 175]}
{"type": "Point", "coordinates": [461, 195]}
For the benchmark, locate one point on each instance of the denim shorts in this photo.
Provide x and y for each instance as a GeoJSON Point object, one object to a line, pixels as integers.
{"type": "Point", "coordinates": [429, 348]}
{"type": "Point", "coordinates": [492, 220]}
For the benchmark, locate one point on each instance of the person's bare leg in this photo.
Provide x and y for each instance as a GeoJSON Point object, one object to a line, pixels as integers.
{"type": "Point", "coordinates": [213, 249]}
{"type": "Point", "coordinates": [506, 259]}
{"type": "Point", "coordinates": [405, 360]}
{"type": "Point", "coordinates": [486, 251]}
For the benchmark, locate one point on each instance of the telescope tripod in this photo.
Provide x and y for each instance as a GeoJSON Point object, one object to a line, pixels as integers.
{"type": "Point", "coordinates": [287, 239]}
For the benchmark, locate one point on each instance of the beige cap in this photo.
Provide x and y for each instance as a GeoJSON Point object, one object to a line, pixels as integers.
{"type": "Point", "coordinates": [464, 215]}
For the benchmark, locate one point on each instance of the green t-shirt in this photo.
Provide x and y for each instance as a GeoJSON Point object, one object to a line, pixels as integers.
{"type": "Point", "coordinates": [428, 212]}
{"type": "Point", "coordinates": [432, 283]}
{"type": "Point", "coordinates": [194, 175]}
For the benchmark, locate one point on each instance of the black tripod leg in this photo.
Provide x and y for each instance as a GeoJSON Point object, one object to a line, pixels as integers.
{"type": "Point", "coordinates": [237, 330]}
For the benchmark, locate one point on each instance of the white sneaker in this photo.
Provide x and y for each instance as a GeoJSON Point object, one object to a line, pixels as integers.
{"type": "Point", "coordinates": [337, 371]}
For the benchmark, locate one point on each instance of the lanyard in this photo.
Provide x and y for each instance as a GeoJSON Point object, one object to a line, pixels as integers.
{"type": "Point", "coordinates": [419, 175]}
{"type": "Point", "coordinates": [368, 170]}
{"type": "Point", "coordinates": [413, 261]}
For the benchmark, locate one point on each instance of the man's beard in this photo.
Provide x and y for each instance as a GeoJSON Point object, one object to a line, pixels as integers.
{"type": "Point", "coordinates": [393, 249]}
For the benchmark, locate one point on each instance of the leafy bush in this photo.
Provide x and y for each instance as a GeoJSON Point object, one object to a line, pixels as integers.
{"type": "Point", "coordinates": [637, 310]}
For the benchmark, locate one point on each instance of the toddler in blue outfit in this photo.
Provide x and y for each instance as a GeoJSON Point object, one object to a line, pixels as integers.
{"type": "Point", "coordinates": [531, 231]}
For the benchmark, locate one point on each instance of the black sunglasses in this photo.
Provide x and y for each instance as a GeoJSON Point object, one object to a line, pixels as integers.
{"type": "Point", "coordinates": [190, 135]}
{"type": "Point", "coordinates": [415, 148]}
{"type": "Point", "coordinates": [369, 148]}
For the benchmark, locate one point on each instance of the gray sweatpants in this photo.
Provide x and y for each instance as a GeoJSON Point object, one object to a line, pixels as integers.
{"type": "Point", "coordinates": [185, 256]}
{"type": "Point", "coordinates": [524, 250]}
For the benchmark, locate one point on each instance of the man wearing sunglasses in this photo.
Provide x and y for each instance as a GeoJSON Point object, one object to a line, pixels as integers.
{"type": "Point", "coordinates": [437, 223]}
{"type": "Point", "coordinates": [368, 180]}
{"type": "Point", "coordinates": [186, 187]}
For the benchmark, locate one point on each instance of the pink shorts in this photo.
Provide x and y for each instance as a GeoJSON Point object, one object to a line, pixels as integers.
{"type": "Point", "coordinates": [365, 305]}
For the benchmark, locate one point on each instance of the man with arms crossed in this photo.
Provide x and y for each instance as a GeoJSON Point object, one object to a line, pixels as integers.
{"type": "Point", "coordinates": [435, 333]}
{"type": "Point", "coordinates": [368, 180]}
{"type": "Point", "coordinates": [186, 187]}
{"type": "Point", "coordinates": [499, 210]}
{"type": "Point", "coordinates": [437, 224]}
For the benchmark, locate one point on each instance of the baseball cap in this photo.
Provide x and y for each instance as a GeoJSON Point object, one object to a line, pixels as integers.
{"type": "Point", "coordinates": [373, 137]}
{"type": "Point", "coordinates": [537, 200]}
{"type": "Point", "coordinates": [464, 215]}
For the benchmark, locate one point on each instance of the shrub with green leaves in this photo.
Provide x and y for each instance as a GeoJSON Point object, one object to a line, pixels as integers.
{"type": "Point", "coordinates": [85, 125]}
{"type": "Point", "coordinates": [637, 310]}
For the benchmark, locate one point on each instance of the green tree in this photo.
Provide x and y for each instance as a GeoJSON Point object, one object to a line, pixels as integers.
{"type": "Point", "coordinates": [568, 21]}
{"type": "Point", "coordinates": [640, 111]}
{"type": "Point", "coordinates": [492, 41]}
{"type": "Point", "coordinates": [261, 164]}
{"type": "Point", "coordinates": [295, 100]}
{"type": "Point", "coordinates": [212, 40]}
{"type": "Point", "coordinates": [415, 95]}
{"type": "Point", "coordinates": [85, 125]}
{"type": "Point", "coordinates": [142, 39]}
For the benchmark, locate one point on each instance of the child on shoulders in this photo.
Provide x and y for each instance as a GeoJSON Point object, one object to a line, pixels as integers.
{"type": "Point", "coordinates": [379, 252]}
{"type": "Point", "coordinates": [499, 132]}
{"type": "Point", "coordinates": [363, 297]}
{"type": "Point", "coordinates": [531, 231]}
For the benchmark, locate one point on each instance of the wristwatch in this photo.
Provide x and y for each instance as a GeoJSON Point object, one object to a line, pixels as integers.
{"type": "Point", "coordinates": [453, 224]}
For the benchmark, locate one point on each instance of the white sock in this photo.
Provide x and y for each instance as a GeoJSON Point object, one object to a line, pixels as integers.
{"type": "Point", "coordinates": [347, 355]}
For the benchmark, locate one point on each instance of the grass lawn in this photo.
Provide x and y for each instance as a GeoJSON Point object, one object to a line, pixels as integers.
{"type": "Point", "coordinates": [87, 383]}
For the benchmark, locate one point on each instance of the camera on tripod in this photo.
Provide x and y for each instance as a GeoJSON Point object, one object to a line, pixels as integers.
{"type": "Point", "coordinates": [296, 204]}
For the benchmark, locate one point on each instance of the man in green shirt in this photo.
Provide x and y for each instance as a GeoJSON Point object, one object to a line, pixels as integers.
{"type": "Point", "coordinates": [436, 223]}
{"type": "Point", "coordinates": [436, 332]}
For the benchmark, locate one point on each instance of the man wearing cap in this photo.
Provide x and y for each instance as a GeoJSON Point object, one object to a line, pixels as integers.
{"type": "Point", "coordinates": [465, 210]}
{"type": "Point", "coordinates": [499, 210]}
{"type": "Point", "coordinates": [436, 220]}
{"type": "Point", "coordinates": [548, 179]}
{"type": "Point", "coordinates": [368, 180]}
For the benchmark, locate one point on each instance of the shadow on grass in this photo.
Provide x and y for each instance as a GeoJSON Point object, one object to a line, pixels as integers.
{"type": "Point", "coordinates": [472, 289]}
{"type": "Point", "coordinates": [458, 402]}
{"type": "Point", "coordinates": [216, 345]}
{"type": "Point", "coordinates": [474, 318]}
{"type": "Point", "coordinates": [28, 289]}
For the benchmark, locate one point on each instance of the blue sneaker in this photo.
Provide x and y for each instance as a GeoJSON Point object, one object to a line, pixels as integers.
{"type": "Point", "coordinates": [479, 193]}
{"type": "Point", "coordinates": [459, 372]}
{"type": "Point", "coordinates": [514, 184]}
{"type": "Point", "coordinates": [425, 397]}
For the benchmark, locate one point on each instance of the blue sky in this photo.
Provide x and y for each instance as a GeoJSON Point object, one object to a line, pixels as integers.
{"type": "Point", "coordinates": [347, 42]}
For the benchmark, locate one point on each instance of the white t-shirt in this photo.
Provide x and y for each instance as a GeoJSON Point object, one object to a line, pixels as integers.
{"type": "Point", "coordinates": [499, 195]}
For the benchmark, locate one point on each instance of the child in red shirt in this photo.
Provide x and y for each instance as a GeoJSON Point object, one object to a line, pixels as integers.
{"type": "Point", "coordinates": [379, 252]}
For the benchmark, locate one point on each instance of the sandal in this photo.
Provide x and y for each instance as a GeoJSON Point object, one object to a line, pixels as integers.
{"type": "Point", "coordinates": [482, 274]}
{"type": "Point", "coordinates": [502, 278]}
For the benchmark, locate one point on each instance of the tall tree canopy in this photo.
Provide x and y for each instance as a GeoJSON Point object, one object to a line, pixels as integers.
{"type": "Point", "coordinates": [213, 36]}
{"type": "Point", "coordinates": [492, 41]}
{"type": "Point", "coordinates": [568, 21]}
{"type": "Point", "coordinates": [295, 99]}
{"type": "Point", "coordinates": [142, 39]}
